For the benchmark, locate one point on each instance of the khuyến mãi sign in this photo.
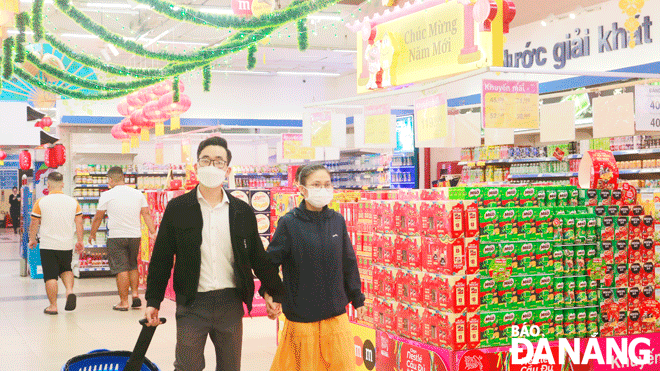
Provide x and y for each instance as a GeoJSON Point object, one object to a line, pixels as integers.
{"type": "Point", "coordinates": [292, 148]}
{"type": "Point", "coordinates": [510, 104]}
{"type": "Point", "coordinates": [431, 118]}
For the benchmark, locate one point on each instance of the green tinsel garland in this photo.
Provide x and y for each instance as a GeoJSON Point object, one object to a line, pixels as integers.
{"type": "Point", "coordinates": [37, 20]}
{"type": "Point", "coordinates": [21, 22]}
{"type": "Point", "coordinates": [206, 70]}
{"type": "Point", "coordinates": [68, 92]}
{"type": "Point", "coordinates": [7, 58]}
{"type": "Point", "coordinates": [87, 83]}
{"type": "Point", "coordinates": [204, 54]}
{"type": "Point", "coordinates": [175, 88]}
{"type": "Point", "coordinates": [302, 34]}
{"type": "Point", "coordinates": [294, 11]}
{"type": "Point", "coordinates": [251, 59]}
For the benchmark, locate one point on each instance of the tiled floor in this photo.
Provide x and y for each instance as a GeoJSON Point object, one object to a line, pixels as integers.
{"type": "Point", "coordinates": [33, 341]}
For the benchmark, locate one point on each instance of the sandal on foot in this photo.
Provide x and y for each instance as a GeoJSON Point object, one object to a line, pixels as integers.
{"type": "Point", "coordinates": [121, 309]}
{"type": "Point", "coordinates": [51, 312]}
{"type": "Point", "coordinates": [137, 303]}
{"type": "Point", "coordinates": [70, 302]}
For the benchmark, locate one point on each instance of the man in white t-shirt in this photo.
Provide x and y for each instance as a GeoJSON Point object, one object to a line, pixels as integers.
{"type": "Point", "coordinates": [124, 206]}
{"type": "Point", "coordinates": [59, 218]}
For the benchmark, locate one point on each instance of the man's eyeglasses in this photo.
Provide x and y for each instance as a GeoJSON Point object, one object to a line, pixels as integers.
{"type": "Point", "coordinates": [219, 163]}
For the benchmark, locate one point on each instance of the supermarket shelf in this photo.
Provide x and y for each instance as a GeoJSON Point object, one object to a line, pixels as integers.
{"type": "Point", "coordinates": [365, 170]}
{"type": "Point", "coordinates": [95, 269]}
{"type": "Point", "coordinates": [87, 198]}
{"type": "Point", "coordinates": [655, 170]}
{"type": "Point", "coordinates": [262, 174]}
{"type": "Point", "coordinates": [548, 175]}
{"type": "Point", "coordinates": [649, 151]}
{"type": "Point", "coordinates": [516, 161]}
{"type": "Point", "coordinates": [381, 186]}
{"type": "Point", "coordinates": [161, 173]}
{"type": "Point", "coordinates": [393, 183]}
{"type": "Point", "coordinates": [91, 186]}
{"type": "Point", "coordinates": [99, 230]}
{"type": "Point", "coordinates": [96, 247]}
{"type": "Point", "coordinates": [403, 167]}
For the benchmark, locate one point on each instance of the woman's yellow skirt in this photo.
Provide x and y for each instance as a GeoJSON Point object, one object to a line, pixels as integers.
{"type": "Point", "coordinates": [325, 345]}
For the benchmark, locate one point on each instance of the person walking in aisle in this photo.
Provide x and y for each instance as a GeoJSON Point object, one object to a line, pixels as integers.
{"type": "Point", "coordinates": [15, 209]}
{"type": "Point", "coordinates": [124, 206]}
{"type": "Point", "coordinates": [215, 240]}
{"type": "Point", "coordinates": [321, 277]}
{"type": "Point", "coordinates": [59, 218]}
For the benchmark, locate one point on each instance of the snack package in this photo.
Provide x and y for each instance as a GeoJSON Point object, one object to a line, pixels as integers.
{"type": "Point", "coordinates": [544, 296]}
{"type": "Point", "coordinates": [510, 224]}
{"type": "Point", "coordinates": [491, 197]}
{"type": "Point", "coordinates": [621, 252]}
{"type": "Point", "coordinates": [544, 229]}
{"type": "Point", "coordinates": [543, 318]}
{"type": "Point", "coordinates": [524, 292]}
{"type": "Point", "coordinates": [489, 227]}
{"type": "Point", "coordinates": [607, 251]}
{"type": "Point", "coordinates": [508, 196]}
{"type": "Point", "coordinates": [527, 196]}
{"type": "Point", "coordinates": [524, 260]}
{"type": "Point", "coordinates": [488, 251]}
{"type": "Point", "coordinates": [490, 331]}
{"type": "Point", "coordinates": [543, 260]}
{"type": "Point", "coordinates": [621, 275]}
{"type": "Point", "coordinates": [604, 197]}
{"type": "Point", "coordinates": [488, 295]}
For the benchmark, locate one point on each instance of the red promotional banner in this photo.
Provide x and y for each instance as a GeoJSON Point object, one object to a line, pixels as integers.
{"type": "Point", "coordinates": [598, 170]}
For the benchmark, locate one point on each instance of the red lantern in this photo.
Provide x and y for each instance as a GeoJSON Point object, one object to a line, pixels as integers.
{"type": "Point", "coordinates": [3, 156]}
{"type": "Point", "coordinates": [25, 160]}
{"type": "Point", "coordinates": [49, 157]}
{"type": "Point", "coordinates": [59, 154]}
{"type": "Point", "coordinates": [124, 108]}
{"type": "Point", "coordinates": [128, 127]}
{"type": "Point", "coordinates": [118, 133]}
{"type": "Point", "coordinates": [133, 99]}
{"type": "Point", "coordinates": [170, 107]}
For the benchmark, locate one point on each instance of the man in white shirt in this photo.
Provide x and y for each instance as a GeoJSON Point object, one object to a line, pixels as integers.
{"type": "Point", "coordinates": [124, 206]}
{"type": "Point", "coordinates": [59, 217]}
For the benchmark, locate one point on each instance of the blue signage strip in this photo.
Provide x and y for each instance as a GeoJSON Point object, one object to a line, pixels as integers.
{"type": "Point", "coordinates": [112, 120]}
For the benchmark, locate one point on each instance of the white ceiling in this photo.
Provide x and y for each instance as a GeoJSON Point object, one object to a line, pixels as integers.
{"type": "Point", "coordinates": [330, 41]}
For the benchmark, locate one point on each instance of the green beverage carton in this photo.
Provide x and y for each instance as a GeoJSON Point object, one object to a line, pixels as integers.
{"type": "Point", "coordinates": [580, 229]}
{"type": "Point", "coordinates": [543, 218]}
{"type": "Point", "coordinates": [580, 260]}
{"type": "Point", "coordinates": [489, 330]}
{"type": "Point", "coordinates": [488, 251]}
{"type": "Point", "coordinates": [527, 196]}
{"type": "Point", "coordinates": [543, 261]}
{"type": "Point", "coordinates": [489, 227]}
{"type": "Point", "coordinates": [524, 258]}
{"type": "Point", "coordinates": [526, 224]}
{"type": "Point", "coordinates": [558, 260]}
{"type": "Point", "coordinates": [597, 210]}
{"type": "Point", "coordinates": [569, 323]}
{"type": "Point", "coordinates": [491, 197]}
{"type": "Point", "coordinates": [581, 286]}
{"type": "Point", "coordinates": [559, 323]}
{"type": "Point", "coordinates": [569, 292]}
{"type": "Point", "coordinates": [604, 197]}
{"type": "Point", "coordinates": [573, 196]}
{"type": "Point", "coordinates": [544, 319]}
{"type": "Point", "coordinates": [508, 224]}
{"type": "Point", "coordinates": [581, 322]}
{"type": "Point", "coordinates": [508, 196]}
{"type": "Point", "coordinates": [544, 291]}
{"type": "Point", "coordinates": [505, 293]}
{"type": "Point", "coordinates": [563, 195]}
{"type": "Point", "coordinates": [474, 193]}
{"type": "Point", "coordinates": [568, 229]}
{"type": "Point", "coordinates": [524, 317]}
{"type": "Point", "coordinates": [506, 321]}
{"type": "Point", "coordinates": [592, 292]}
{"type": "Point", "coordinates": [525, 292]}
{"type": "Point", "coordinates": [559, 292]}
{"type": "Point", "coordinates": [507, 250]}
{"type": "Point", "coordinates": [488, 298]}
{"type": "Point", "coordinates": [541, 196]}
{"type": "Point", "coordinates": [592, 322]}
{"type": "Point", "coordinates": [569, 260]}
{"type": "Point", "coordinates": [551, 196]}
{"type": "Point", "coordinates": [590, 197]}
{"type": "Point", "coordinates": [592, 230]}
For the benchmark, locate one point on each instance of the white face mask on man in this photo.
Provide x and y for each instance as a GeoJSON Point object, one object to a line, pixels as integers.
{"type": "Point", "coordinates": [319, 197]}
{"type": "Point", "coordinates": [211, 176]}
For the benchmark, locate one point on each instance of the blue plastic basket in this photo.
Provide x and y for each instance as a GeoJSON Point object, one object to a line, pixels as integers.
{"type": "Point", "coordinates": [102, 360]}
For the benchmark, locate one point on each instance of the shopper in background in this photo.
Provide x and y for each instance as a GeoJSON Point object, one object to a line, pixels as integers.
{"type": "Point", "coordinates": [321, 277]}
{"type": "Point", "coordinates": [215, 240]}
{"type": "Point", "coordinates": [296, 181]}
{"type": "Point", "coordinates": [124, 206]}
{"type": "Point", "coordinates": [15, 209]}
{"type": "Point", "coordinates": [59, 218]}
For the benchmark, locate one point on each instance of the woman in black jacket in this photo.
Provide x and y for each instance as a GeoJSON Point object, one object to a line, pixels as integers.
{"type": "Point", "coordinates": [321, 277]}
{"type": "Point", "coordinates": [15, 209]}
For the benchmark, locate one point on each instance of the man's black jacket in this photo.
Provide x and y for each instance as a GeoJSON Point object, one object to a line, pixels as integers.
{"type": "Point", "coordinates": [180, 235]}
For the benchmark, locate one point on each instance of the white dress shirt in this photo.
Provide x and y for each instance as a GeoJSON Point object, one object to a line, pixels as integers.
{"type": "Point", "coordinates": [217, 268]}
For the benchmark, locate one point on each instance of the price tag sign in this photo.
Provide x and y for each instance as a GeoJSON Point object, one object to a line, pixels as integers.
{"type": "Point", "coordinates": [647, 107]}
{"type": "Point", "coordinates": [510, 104]}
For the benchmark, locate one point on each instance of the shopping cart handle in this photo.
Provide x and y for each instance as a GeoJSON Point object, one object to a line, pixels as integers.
{"type": "Point", "coordinates": [144, 321]}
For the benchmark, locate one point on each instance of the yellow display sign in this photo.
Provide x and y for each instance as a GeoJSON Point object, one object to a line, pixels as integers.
{"type": "Point", "coordinates": [510, 104]}
{"type": "Point", "coordinates": [377, 124]}
{"type": "Point", "coordinates": [431, 118]}
{"type": "Point", "coordinates": [321, 124]}
{"type": "Point", "coordinates": [292, 148]}
{"type": "Point", "coordinates": [439, 41]}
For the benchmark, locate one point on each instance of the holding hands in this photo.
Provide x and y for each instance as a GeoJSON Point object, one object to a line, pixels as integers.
{"type": "Point", "coordinates": [272, 308]}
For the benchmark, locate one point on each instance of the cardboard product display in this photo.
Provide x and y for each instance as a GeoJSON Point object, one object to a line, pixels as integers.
{"type": "Point", "coordinates": [598, 170]}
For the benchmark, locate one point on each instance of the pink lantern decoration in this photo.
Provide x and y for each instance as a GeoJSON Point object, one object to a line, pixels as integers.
{"type": "Point", "coordinates": [3, 156]}
{"type": "Point", "coordinates": [153, 112]}
{"type": "Point", "coordinates": [118, 133]}
{"type": "Point", "coordinates": [162, 88]}
{"type": "Point", "coordinates": [138, 119]}
{"type": "Point", "coordinates": [133, 99]}
{"type": "Point", "coordinates": [129, 128]}
{"type": "Point", "coordinates": [173, 108]}
{"type": "Point", "coordinates": [124, 108]}
{"type": "Point", "coordinates": [24, 159]}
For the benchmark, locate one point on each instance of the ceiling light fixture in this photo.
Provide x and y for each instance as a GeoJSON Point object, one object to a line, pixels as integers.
{"type": "Point", "coordinates": [572, 16]}
{"type": "Point", "coordinates": [160, 36]}
{"type": "Point", "coordinates": [105, 55]}
{"type": "Point", "coordinates": [241, 72]}
{"type": "Point", "coordinates": [15, 32]}
{"type": "Point", "coordinates": [79, 36]}
{"type": "Point", "coordinates": [109, 5]}
{"type": "Point", "coordinates": [310, 73]}
{"type": "Point", "coordinates": [113, 49]}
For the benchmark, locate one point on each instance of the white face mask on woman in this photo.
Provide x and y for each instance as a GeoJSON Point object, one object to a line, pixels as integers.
{"type": "Point", "coordinates": [319, 197]}
{"type": "Point", "coordinates": [211, 176]}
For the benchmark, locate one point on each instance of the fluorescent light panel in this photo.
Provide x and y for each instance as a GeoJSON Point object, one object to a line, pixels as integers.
{"type": "Point", "coordinates": [231, 72]}
{"type": "Point", "coordinates": [80, 36]}
{"type": "Point", "coordinates": [109, 5]}
{"type": "Point", "coordinates": [113, 50]}
{"type": "Point", "coordinates": [311, 73]}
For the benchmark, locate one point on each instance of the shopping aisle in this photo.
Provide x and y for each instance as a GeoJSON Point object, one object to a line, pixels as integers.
{"type": "Point", "coordinates": [33, 341]}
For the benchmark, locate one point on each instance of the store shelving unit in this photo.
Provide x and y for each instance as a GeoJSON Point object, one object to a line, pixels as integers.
{"type": "Point", "coordinates": [544, 175]}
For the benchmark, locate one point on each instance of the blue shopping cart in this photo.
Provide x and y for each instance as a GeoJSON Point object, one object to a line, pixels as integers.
{"type": "Point", "coordinates": [103, 359]}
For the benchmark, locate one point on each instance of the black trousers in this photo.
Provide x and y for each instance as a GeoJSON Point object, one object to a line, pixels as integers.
{"type": "Point", "coordinates": [15, 219]}
{"type": "Point", "coordinates": [215, 314]}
